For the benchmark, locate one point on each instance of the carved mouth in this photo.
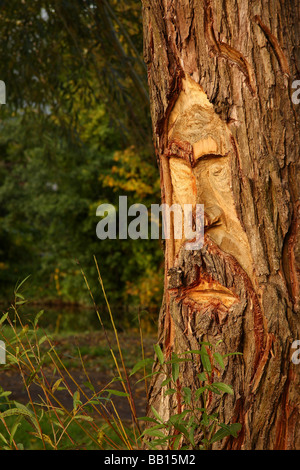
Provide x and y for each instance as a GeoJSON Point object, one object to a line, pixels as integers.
{"type": "Point", "coordinates": [206, 292]}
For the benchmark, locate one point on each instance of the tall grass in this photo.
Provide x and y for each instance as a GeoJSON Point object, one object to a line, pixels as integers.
{"type": "Point", "coordinates": [93, 418]}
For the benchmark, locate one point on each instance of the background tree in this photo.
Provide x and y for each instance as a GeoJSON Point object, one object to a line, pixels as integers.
{"type": "Point", "coordinates": [58, 52]}
{"type": "Point", "coordinates": [225, 134]}
{"type": "Point", "coordinates": [77, 113]}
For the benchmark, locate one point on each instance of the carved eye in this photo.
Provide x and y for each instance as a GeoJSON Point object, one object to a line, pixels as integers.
{"type": "Point", "coordinates": [218, 171]}
{"type": "Point", "coordinates": [219, 177]}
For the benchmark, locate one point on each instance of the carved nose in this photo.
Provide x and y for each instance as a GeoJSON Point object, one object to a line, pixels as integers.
{"type": "Point", "coordinates": [212, 216]}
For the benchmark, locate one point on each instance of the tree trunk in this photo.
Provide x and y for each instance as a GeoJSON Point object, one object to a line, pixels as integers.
{"type": "Point", "coordinates": [226, 135]}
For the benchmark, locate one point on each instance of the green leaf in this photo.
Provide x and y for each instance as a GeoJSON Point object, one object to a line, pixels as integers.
{"type": "Point", "coordinates": [177, 441]}
{"type": "Point", "coordinates": [99, 397]}
{"type": "Point", "coordinates": [219, 435]}
{"type": "Point", "coordinates": [84, 418]}
{"type": "Point", "coordinates": [13, 431]}
{"type": "Point", "coordinates": [11, 358]}
{"type": "Point", "coordinates": [116, 392]}
{"type": "Point", "coordinates": [226, 430]}
{"type": "Point", "coordinates": [45, 438]}
{"type": "Point", "coordinates": [153, 444]}
{"type": "Point", "coordinates": [199, 392]}
{"type": "Point", "coordinates": [154, 433]}
{"type": "Point", "coordinates": [202, 376]}
{"type": "Point", "coordinates": [3, 318]}
{"type": "Point", "coordinates": [175, 368]}
{"type": "Point", "coordinates": [175, 371]}
{"type": "Point", "coordinates": [187, 395]}
{"type": "Point", "coordinates": [205, 359]}
{"type": "Point", "coordinates": [233, 428]}
{"type": "Point", "coordinates": [3, 438]}
{"type": "Point", "coordinates": [150, 420]}
{"type": "Point", "coordinates": [213, 390]}
{"type": "Point", "coordinates": [159, 353]}
{"type": "Point", "coordinates": [223, 387]}
{"type": "Point", "coordinates": [205, 419]}
{"type": "Point", "coordinates": [90, 386]}
{"type": "Point", "coordinates": [42, 339]}
{"type": "Point", "coordinates": [21, 410]}
{"type": "Point", "coordinates": [156, 414]}
{"type": "Point", "coordinates": [56, 385]}
{"type": "Point", "coordinates": [20, 296]}
{"type": "Point", "coordinates": [23, 332]}
{"type": "Point", "coordinates": [177, 418]}
{"type": "Point", "coordinates": [21, 283]}
{"type": "Point", "coordinates": [177, 360]}
{"type": "Point", "coordinates": [219, 358]}
{"type": "Point", "coordinates": [191, 436]}
{"type": "Point", "coordinates": [233, 354]}
{"type": "Point", "coordinates": [37, 317]}
{"type": "Point", "coordinates": [181, 428]}
{"type": "Point", "coordinates": [140, 365]}
{"type": "Point", "coordinates": [170, 391]}
{"type": "Point", "coordinates": [76, 400]}
{"type": "Point", "coordinates": [166, 381]}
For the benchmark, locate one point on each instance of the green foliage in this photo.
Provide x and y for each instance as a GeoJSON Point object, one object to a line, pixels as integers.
{"type": "Point", "coordinates": [45, 422]}
{"type": "Point", "coordinates": [194, 426]}
{"type": "Point", "coordinates": [75, 133]}
{"type": "Point", "coordinates": [56, 54]}
{"type": "Point", "coordinates": [50, 190]}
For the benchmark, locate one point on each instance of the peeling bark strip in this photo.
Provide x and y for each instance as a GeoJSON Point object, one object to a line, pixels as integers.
{"type": "Point", "coordinates": [227, 137]}
{"type": "Point", "coordinates": [224, 50]}
{"type": "Point", "coordinates": [275, 44]}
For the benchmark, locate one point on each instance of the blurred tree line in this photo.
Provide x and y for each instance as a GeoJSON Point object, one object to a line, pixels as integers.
{"type": "Point", "coordinates": [75, 133]}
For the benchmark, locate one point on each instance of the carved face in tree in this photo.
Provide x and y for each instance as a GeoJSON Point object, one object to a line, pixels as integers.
{"type": "Point", "coordinates": [200, 148]}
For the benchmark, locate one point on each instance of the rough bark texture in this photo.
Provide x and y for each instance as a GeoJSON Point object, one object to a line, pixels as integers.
{"type": "Point", "coordinates": [226, 135]}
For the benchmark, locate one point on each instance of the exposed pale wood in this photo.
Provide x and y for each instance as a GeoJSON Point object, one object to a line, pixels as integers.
{"type": "Point", "coordinates": [206, 179]}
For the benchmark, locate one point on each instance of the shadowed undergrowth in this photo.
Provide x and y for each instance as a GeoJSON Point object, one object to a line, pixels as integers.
{"type": "Point", "coordinates": [89, 390]}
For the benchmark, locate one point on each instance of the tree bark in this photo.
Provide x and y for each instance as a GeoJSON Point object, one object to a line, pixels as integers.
{"type": "Point", "coordinates": [225, 131]}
